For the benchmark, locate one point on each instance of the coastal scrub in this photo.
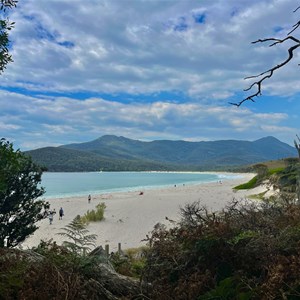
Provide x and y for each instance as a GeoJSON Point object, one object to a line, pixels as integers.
{"type": "Point", "coordinates": [94, 215]}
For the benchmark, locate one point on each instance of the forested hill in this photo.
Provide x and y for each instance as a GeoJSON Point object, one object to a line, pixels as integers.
{"type": "Point", "coordinates": [112, 153]}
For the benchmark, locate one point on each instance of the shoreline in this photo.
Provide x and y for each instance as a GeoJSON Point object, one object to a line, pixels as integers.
{"type": "Point", "coordinates": [227, 175]}
{"type": "Point", "coordinates": [129, 216]}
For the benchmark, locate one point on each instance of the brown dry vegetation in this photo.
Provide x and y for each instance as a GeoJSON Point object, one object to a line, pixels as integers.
{"type": "Point", "coordinates": [248, 251]}
{"type": "Point", "coordinates": [54, 272]}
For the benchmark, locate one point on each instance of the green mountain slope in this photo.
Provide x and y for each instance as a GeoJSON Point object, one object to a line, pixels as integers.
{"type": "Point", "coordinates": [119, 153]}
{"type": "Point", "coordinates": [57, 159]}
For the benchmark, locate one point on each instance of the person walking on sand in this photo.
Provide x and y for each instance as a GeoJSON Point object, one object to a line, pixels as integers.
{"type": "Point", "coordinates": [50, 216]}
{"type": "Point", "coordinates": [89, 199]}
{"type": "Point", "coordinates": [61, 213]}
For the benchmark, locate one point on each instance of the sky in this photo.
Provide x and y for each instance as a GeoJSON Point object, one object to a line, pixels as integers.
{"type": "Point", "coordinates": [148, 70]}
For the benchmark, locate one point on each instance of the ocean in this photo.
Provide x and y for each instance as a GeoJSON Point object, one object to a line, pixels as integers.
{"type": "Point", "coordinates": [60, 185]}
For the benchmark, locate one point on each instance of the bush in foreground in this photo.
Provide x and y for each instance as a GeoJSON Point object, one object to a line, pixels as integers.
{"type": "Point", "coordinates": [66, 272]}
{"type": "Point", "coordinates": [247, 251]}
{"type": "Point", "coordinates": [131, 262]}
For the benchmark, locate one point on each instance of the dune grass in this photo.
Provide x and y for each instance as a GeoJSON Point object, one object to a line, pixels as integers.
{"type": "Point", "coordinates": [248, 185]}
{"type": "Point", "coordinates": [275, 170]}
{"type": "Point", "coordinates": [259, 178]}
{"type": "Point", "coordinates": [94, 215]}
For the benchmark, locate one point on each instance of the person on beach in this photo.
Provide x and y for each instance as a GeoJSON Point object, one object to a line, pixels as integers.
{"type": "Point", "coordinates": [89, 198]}
{"type": "Point", "coordinates": [50, 216]}
{"type": "Point", "coordinates": [61, 213]}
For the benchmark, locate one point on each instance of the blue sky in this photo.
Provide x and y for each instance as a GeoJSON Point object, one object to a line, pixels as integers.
{"type": "Point", "coordinates": [147, 70]}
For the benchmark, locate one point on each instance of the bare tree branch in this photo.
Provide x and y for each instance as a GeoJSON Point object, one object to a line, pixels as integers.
{"type": "Point", "coordinates": [271, 71]}
{"type": "Point", "coordinates": [295, 27]}
{"type": "Point", "coordinates": [296, 9]}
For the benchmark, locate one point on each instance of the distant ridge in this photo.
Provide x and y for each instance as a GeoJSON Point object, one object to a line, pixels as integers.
{"type": "Point", "coordinates": [113, 153]}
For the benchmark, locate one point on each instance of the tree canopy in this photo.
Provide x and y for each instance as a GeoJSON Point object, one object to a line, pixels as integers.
{"type": "Point", "coordinates": [19, 190]}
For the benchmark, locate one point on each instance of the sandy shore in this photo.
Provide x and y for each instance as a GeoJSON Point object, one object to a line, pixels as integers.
{"type": "Point", "coordinates": [129, 216]}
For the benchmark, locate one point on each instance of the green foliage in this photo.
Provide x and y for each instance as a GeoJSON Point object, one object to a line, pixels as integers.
{"type": "Point", "coordinates": [288, 179]}
{"type": "Point", "coordinates": [248, 185]}
{"type": "Point", "coordinates": [68, 257]}
{"type": "Point", "coordinates": [284, 177]}
{"type": "Point", "coordinates": [243, 236]}
{"type": "Point", "coordinates": [19, 190]}
{"type": "Point", "coordinates": [81, 241]}
{"type": "Point", "coordinates": [70, 160]}
{"type": "Point", "coordinates": [94, 215]}
{"type": "Point", "coordinates": [5, 27]}
{"type": "Point", "coordinates": [275, 171]}
{"type": "Point", "coordinates": [131, 263]}
{"type": "Point", "coordinates": [12, 269]}
{"type": "Point", "coordinates": [112, 153]}
{"type": "Point", "coordinates": [228, 289]}
{"type": "Point", "coordinates": [271, 164]}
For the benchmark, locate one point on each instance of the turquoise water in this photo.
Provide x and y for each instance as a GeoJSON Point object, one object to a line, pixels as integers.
{"type": "Point", "coordinates": [79, 184]}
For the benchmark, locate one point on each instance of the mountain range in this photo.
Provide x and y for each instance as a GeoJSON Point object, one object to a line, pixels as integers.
{"type": "Point", "coordinates": [113, 153]}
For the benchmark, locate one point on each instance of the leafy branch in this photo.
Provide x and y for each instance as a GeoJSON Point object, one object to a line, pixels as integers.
{"type": "Point", "coordinates": [5, 27]}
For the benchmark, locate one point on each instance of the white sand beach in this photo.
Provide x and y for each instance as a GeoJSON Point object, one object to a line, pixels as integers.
{"type": "Point", "coordinates": [129, 216]}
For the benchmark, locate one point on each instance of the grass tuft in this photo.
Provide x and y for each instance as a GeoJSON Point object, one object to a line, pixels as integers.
{"type": "Point", "coordinates": [94, 215]}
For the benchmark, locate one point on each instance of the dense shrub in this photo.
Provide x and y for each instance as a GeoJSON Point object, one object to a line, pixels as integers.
{"type": "Point", "coordinates": [56, 272]}
{"type": "Point", "coordinates": [247, 251]}
{"type": "Point", "coordinates": [287, 178]}
{"type": "Point", "coordinates": [47, 272]}
{"type": "Point", "coordinates": [131, 262]}
{"type": "Point", "coordinates": [13, 268]}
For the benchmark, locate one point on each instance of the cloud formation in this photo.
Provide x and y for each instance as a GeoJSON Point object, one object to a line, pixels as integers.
{"type": "Point", "coordinates": [55, 121]}
{"type": "Point", "coordinates": [84, 69]}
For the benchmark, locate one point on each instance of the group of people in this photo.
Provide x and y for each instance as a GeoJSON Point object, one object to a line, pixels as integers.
{"type": "Point", "coordinates": [51, 213]}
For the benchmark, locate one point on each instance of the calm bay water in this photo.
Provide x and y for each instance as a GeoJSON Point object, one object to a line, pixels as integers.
{"type": "Point", "coordinates": [80, 184]}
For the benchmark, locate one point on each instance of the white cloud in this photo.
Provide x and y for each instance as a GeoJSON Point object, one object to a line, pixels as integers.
{"type": "Point", "coordinates": [65, 120]}
{"type": "Point", "coordinates": [4, 126]}
{"type": "Point", "coordinates": [126, 46]}
{"type": "Point", "coordinates": [136, 47]}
